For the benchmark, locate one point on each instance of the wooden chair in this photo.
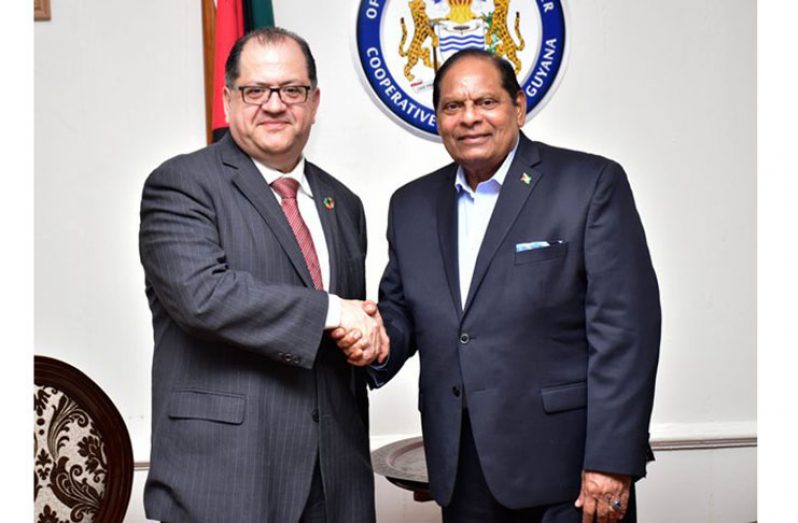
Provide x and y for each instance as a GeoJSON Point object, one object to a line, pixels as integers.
{"type": "Point", "coordinates": [83, 461]}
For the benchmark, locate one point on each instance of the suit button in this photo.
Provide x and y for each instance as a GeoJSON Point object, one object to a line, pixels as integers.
{"type": "Point", "coordinates": [456, 391]}
{"type": "Point", "coordinates": [315, 415]}
{"type": "Point", "coordinates": [296, 360]}
{"type": "Point", "coordinates": [287, 358]}
{"type": "Point", "coordinates": [465, 338]}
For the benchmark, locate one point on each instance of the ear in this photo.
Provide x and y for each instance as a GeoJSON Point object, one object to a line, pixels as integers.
{"type": "Point", "coordinates": [520, 105]}
{"type": "Point", "coordinates": [226, 94]}
{"type": "Point", "coordinates": [314, 100]}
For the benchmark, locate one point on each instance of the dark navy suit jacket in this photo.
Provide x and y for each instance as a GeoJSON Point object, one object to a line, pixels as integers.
{"type": "Point", "coordinates": [556, 349]}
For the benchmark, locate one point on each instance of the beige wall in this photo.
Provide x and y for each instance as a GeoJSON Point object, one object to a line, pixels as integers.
{"type": "Point", "coordinates": [665, 88]}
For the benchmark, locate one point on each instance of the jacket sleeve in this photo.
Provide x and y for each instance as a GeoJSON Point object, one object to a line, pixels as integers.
{"type": "Point", "coordinates": [395, 313]}
{"type": "Point", "coordinates": [186, 268]}
{"type": "Point", "coordinates": [623, 329]}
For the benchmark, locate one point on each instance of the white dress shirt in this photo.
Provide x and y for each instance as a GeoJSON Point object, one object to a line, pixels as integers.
{"type": "Point", "coordinates": [309, 213]}
{"type": "Point", "coordinates": [474, 209]}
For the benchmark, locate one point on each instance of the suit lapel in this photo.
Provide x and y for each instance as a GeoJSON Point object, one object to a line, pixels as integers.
{"type": "Point", "coordinates": [250, 182]}
{"type": "Point", "coordinates": [447, 234]}
{"type": "Point", "coordinates": [329, 221]}
{"type": "Point", "coordinates": [519, 183]}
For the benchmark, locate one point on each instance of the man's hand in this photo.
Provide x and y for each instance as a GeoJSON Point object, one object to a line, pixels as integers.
{"type": "Point", "coordinates": [362, 335]}
{"type": "Point", "coordinates": [362, 350]}
{"type": "Point", "coordinates": [385, 342]}
{"type": "Point", "coordinates": [599, 492]}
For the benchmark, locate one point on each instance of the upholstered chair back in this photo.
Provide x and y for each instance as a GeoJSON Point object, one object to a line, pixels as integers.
{"type": "Point", "coordinates": [83, 463]}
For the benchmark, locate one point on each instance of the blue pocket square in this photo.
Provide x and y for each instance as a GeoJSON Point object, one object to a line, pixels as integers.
{"type": "Point", "coordinates": [528, 246]}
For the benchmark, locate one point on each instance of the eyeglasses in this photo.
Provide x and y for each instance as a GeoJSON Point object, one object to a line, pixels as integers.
{"type": "Point", "coordinates": [261, 94]}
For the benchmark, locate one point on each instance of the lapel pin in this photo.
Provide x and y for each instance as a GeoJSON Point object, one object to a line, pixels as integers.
{"type": "Point", "coordinates": [526, 178]}
{"type": "Point", "coordinates": [329, 203]}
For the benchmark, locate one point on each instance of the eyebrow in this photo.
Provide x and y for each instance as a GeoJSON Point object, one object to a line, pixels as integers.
{"type": "Point", "coordinates": [481, 96]}
{"type": "Point", "coordinates": [280, 84]}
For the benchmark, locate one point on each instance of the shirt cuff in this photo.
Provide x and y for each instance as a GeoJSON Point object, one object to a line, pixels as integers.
{"type": "Point", "coordinates": [380, 366]}
{"type": "Point", "coordinates": [333, 319]}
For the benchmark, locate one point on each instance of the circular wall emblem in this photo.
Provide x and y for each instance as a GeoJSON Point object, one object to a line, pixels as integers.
{"type": "Point", "coordinates": [400, 44]}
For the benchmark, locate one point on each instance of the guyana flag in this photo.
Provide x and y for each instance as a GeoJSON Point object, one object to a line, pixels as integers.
{"type": "Point", "coordinates": [232, 19]}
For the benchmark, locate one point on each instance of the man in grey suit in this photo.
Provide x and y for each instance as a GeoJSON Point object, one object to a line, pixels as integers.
{"type": "Point", "coordinates": [521, 275]}
{"type": "Point", "coordinates": [251, 253]}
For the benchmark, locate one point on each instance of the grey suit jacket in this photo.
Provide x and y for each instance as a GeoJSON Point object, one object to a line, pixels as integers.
{"type": "Point", "coordinates": [554, 349]}
{"type": "Point", "coordinates": [246, 393]}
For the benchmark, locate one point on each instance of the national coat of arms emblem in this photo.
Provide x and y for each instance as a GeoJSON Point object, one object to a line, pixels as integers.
{"type": "Point", "coordinates": [401, 43]}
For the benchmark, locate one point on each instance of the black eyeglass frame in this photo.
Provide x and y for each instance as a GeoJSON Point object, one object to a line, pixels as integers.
{"type": "Point", "coordinates": [279, 90]}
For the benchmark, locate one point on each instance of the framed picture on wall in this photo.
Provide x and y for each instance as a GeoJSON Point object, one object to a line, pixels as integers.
{"type": "Point", "coordinates": [41, 9]}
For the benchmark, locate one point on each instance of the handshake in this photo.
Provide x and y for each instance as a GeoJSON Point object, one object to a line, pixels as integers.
{"type": "Point", "coordinates": [361, 335]}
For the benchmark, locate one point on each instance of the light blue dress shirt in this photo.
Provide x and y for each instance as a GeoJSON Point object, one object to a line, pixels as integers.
{"type": "Point", "coordinates": [474, 209]}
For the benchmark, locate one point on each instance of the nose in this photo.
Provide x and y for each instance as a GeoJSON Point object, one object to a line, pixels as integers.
{"type": "Point", "coordinates": [471, 114]}
{"type": "Point", "coordinates": [273, 103]}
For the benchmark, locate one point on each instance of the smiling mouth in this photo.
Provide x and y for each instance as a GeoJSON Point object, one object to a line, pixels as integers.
{"type": "Point", "coordinates": [272, 124]}
{"type": "Point", "coordinates": [473, 138]}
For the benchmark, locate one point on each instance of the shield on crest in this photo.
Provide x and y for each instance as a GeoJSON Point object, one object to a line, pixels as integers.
{"type": "Point", "coordinates": [453, 37]}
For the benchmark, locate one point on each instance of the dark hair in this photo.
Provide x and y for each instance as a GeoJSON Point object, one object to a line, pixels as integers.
{"type": "Point", "coordinates": [265, 36]}
{"type": "Point", "coordinates": [505, 68]}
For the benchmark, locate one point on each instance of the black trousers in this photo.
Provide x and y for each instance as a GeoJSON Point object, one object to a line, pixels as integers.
{"type": "Point", "coordinates": [314, 511]}
{"type": "Point", "coordinates": [472, 501]}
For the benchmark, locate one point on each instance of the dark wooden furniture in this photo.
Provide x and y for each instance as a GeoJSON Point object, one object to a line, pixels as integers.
{"type": "Point", "coordinates": [83, 464]}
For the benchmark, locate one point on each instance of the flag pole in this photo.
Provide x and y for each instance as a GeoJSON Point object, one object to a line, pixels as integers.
{"type": "Point", "coordinates": [208, 45]}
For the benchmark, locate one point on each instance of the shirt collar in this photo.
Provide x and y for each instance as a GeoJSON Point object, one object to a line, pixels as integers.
{"type": "Point", "coordinates": [461, 183]}
{"type": "Point", "coordinates": [298, 174]}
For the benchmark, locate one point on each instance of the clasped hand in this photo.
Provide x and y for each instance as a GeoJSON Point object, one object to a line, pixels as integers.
{"type": "Point", "coordinates": [599, 491]}
{"type": "Point", "coordinates": [361, 336]}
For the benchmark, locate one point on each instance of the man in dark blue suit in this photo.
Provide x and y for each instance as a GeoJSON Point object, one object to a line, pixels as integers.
{"type": "Point", "coordinates": [521, 275]}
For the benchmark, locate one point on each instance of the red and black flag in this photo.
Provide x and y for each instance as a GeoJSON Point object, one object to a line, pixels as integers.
{"type": "Point", "coordinates": [233, 18]}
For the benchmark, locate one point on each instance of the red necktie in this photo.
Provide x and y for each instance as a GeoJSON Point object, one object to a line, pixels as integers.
{"type": "Point", "coordinates": [287, 188]}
